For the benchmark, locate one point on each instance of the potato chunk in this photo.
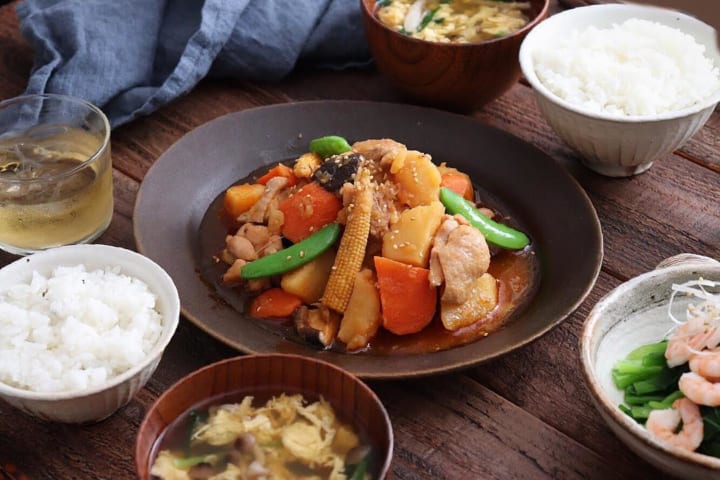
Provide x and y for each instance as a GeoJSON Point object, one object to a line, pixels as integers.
{"type": "Point", "coordinates": [480, 303]}
{"type": "Point", "coordinates": [418, 179]}
{"type": "Point", "coordinates": [308, 281]}
{"type": "Point", "coordinates": [410, 238]}
{"type": "Point", "coordinates": [362, 315]}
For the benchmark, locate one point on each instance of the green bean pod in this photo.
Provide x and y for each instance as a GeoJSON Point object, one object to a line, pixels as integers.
{"type": "Point", "coordinates": [329, 146]}
{"type": "Point", "coordinates": [495, 233]}
{"type": "Point", "coordinates": [294, 256]}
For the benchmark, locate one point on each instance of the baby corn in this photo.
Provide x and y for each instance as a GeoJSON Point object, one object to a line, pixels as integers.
{"type": "Point", "coordinates": [351, 252]}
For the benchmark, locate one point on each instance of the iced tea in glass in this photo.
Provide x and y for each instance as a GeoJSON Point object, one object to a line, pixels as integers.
{"type": "Point", "coordinates": [55, 173]}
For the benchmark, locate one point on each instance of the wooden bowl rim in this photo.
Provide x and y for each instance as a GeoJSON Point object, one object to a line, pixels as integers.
{"type": "Point", "coordinates": [541, 15]}
{"type": "Point", "coordinates": [385, 467]}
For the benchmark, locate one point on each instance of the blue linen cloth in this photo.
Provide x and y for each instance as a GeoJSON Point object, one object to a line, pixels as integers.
{"type": "Point", "coordinates": [130, 57]}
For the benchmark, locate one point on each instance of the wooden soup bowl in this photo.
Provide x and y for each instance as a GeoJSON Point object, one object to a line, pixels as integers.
{"type": "Point", "coordinates": [459, 77]}
{"type": "Point", "coordinates": [271, 374]}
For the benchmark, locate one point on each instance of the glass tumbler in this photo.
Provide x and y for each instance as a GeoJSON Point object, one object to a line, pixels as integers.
{"type": "Point", "coordinates": [56, 183]}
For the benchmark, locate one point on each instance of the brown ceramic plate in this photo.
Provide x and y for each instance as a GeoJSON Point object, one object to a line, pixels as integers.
{"type": "Point", "coordinates": [523, 182]}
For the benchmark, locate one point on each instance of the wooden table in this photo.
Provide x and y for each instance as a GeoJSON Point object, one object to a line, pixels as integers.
{"type": "Point", "coordinates": [526, 415]}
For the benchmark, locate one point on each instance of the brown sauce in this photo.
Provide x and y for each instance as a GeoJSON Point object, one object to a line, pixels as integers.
{"type": "Point", "coordinates": [517, 274]}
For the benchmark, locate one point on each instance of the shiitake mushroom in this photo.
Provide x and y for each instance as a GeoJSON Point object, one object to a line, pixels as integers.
{"type": "Point", "coordinates": [338, 170]}
{"type": "Point", "coordinates": [318, 326]}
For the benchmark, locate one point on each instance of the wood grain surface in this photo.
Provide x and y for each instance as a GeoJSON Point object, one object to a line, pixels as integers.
{"type": "Point", "coordinates": [524, 416]}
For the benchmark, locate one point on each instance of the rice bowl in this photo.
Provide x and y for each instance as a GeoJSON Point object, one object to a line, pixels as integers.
{"type": "Point", "coordinates": [95, 402]}
{"type": "Point", "coordinates": [611, 143]}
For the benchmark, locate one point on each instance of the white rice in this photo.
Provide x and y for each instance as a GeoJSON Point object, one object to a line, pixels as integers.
{"type": "Point", "coordinates": [75, 329]}
{"type": "Point", "coordinates": [636, 68]}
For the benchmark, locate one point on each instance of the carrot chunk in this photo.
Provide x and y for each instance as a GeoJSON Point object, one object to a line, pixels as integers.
{"type": "Point", "coordinates": [407, 298]}
{"type": "Point", "coordinates": [274, 303]}
{"type": "Point", "coordinates": [457, 182]}
{"type": "Point", "coordinates": [279, 171]}
{"type": "Point", "coordinates": [307, 211]}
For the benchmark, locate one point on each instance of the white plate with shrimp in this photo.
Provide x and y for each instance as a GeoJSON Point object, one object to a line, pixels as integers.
{"type": "Point", "coordinates": [634, 314]}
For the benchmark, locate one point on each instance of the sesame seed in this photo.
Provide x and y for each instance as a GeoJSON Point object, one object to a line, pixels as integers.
{"type": "Point", "coordinates": [289, 257]}
{"type": "Point", "coordinates": [302, 253]}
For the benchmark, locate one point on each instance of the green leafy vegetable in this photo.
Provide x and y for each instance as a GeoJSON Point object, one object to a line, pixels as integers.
{"type": "Point", "coordinates": [649, 384]}
{"type": "Point", "coordinates": [643, 399]}
{"type": "Point", "coordinates": [711, 436]}
{"type": "Point", "coordinates": [359, 473]}
{"type": "Point", "coordinates": [666, 402]}
{"type": "Point", "coordinates": [195, 419]}
{"type": "Point", "coordinates": [383, 3]}
{"type": "Point", "coordinates": [641, 352]}
{"type": "Point", "coordinates": [427, 18]}
{"type": "Point", "coordinates": [666, 379]}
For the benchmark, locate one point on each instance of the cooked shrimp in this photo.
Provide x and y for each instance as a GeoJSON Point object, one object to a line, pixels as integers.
{"type": "Point", "coordinates": [690, 338]}
{"type": "Point", "coordinates": [699, 389]}
{"type": "Point", "coordinates": [663, 425]}
{"type": "Point", "coordinates": [706, 364]}
{"type": "Point", "coordinates": [702, 328]}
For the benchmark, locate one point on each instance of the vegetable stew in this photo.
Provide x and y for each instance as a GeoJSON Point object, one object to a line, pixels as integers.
{"type": "Point", "coordinates": [374, 249]}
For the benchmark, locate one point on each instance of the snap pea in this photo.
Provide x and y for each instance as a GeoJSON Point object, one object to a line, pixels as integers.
{"type": "Point", "coordinates": [294, 256]}
{"type": "Point", "coordinates": [329, 146]}
{"type": "Point", "coordinates": [495, 233]}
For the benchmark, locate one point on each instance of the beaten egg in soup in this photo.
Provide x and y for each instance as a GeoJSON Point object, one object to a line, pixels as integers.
{"type": "Point", "coordinates": [453, 21]}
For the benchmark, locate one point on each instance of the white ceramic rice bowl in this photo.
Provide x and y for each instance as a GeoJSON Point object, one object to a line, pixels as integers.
{"type": "Point", "coordinates": [94, 404]}
{"type": "Point", "coordinates": [613, 145]}
{"type": "Point", "coordinates": [635, 314]}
